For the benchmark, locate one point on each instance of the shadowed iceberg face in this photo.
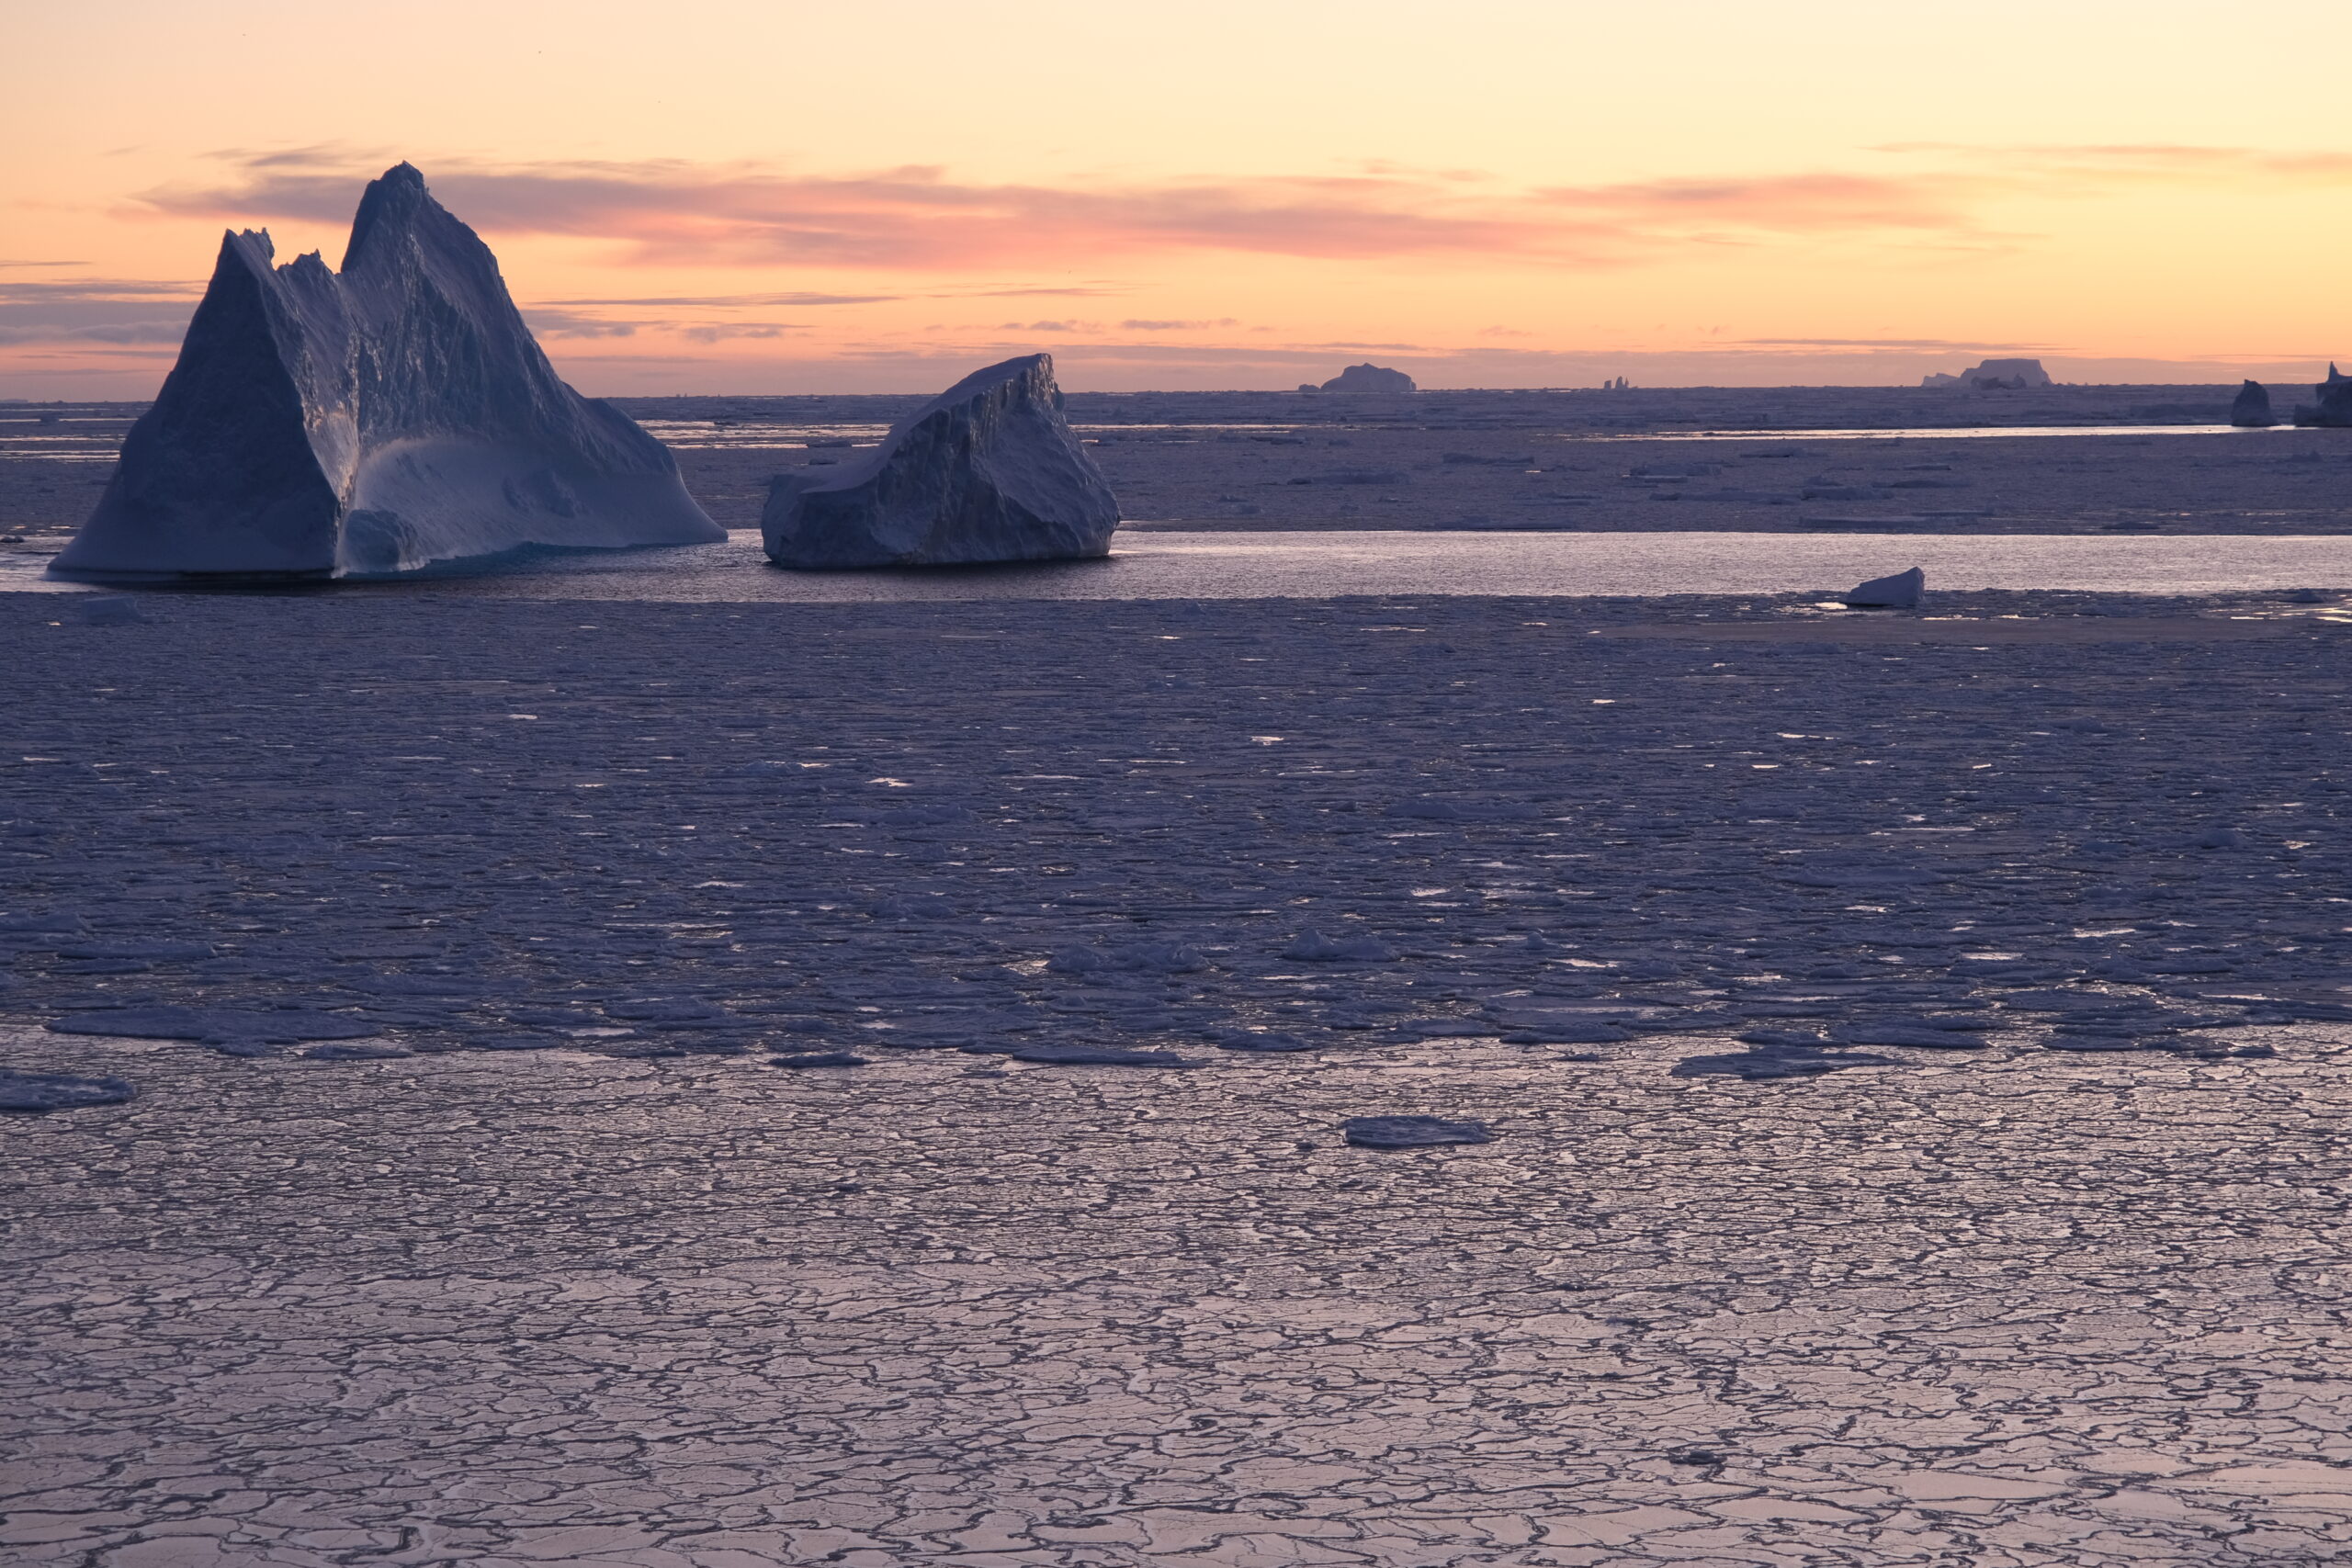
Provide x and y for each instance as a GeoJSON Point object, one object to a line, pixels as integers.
{"type": "Point", "coordinates": [391, 417]}
{"type": "Point", "coordinates": [987, 471]}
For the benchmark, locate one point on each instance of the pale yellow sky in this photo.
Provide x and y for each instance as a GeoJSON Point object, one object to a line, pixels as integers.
{"type": "Point", "coordinates": [742, 197]}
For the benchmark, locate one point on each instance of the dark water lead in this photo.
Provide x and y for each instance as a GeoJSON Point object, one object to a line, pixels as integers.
{"type": "Point", "coordinates": [1780, 1061]}
{"type": "Point", "coordinates": [1098, 1056]}
{"type": "Point", "coordinates": [214, 1026]}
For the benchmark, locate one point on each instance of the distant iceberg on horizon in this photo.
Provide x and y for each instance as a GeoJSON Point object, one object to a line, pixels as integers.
{"type": "Point", "coordinates": [1994, 375]}
{"type": "Point", "coordinates": [1377, 379]}
{"type": "Point", "coordinates": [389, 418]}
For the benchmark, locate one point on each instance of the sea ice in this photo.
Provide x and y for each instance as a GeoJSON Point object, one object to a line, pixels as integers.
{"type": "Point", "coordinates": [987, 471]}
{"type": "Point", "coordinates": [1901, 592]}
{"type": "Point", "coordinates": [390, 417]}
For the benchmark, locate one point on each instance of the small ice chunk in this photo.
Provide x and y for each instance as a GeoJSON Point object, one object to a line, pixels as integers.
{"type": "Point", "coordinates": [109, 610]}
{"type": "Point", "coordinates": [1314, 947]}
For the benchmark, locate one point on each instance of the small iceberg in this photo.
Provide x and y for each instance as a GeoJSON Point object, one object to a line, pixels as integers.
{"type": "Point", "coordinates": [1901, 592]}
{"type": "Point", "coordinates": [987, 471]}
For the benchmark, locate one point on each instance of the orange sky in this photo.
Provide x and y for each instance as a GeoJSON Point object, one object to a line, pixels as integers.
{"type": "Point", "coordinates": [779, 198]}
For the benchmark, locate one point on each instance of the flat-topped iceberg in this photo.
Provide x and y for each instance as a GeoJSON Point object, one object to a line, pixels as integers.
{"type": "Point", "coordinates": [389, 417]}
{"type": "Point", "coordinates": [1370, 378]}
{"type": "Point", "coordinates": [1994, 375]}
{"type": "Point", "coordinates": [986, 472]}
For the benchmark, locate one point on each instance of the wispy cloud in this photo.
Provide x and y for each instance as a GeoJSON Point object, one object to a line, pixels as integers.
{"type": "Point", "coordinates": [96, 309]}
{"type": "Point", "coordinates": [917, 219]}
{"type": "Point", "coordinates": [1915, 344]}
{"type": "Point", "coordinates": [734, 301]}
{"type": "Point", "coordinates": [920, 217]}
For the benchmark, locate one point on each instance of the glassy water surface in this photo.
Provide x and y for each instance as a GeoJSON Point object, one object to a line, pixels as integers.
{"type": "Point", "coordinates": [1157, 564]}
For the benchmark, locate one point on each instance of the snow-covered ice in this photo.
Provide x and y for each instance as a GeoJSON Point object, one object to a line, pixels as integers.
{"type": "Point", "coordinates": [390, 417]}
{"type": "Point", "coordinates": [987, 471]}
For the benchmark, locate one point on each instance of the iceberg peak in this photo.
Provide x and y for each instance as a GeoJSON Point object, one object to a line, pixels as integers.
{"type": "Point", "coordinates": [389, 417]}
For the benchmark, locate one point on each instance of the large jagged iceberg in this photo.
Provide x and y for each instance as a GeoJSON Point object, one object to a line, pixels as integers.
{"type": "Point", "coordinates": [986, 472]}
{"type": "Point", "coordinates": [390, 417]}
{"type": "Point", "coordinates": [2333, 410]}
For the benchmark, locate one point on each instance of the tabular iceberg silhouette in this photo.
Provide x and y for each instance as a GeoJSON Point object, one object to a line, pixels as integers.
{"type": "Point", "coordinates": [1367, 378]}
{"type": "Point", "coordinates": [1994, 375]}
{"type": "Point", "coordinates": [389, 417]}
{"type": "Point", "coordinates": [986, 472]}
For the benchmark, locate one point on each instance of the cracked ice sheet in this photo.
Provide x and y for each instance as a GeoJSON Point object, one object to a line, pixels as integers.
{"type": "Point", "coordinates": [563, 1306]}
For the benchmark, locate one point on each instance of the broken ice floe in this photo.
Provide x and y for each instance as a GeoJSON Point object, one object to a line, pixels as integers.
{"type": "Point", "coordinates": [1412, 1132]}
{"type": "Point", "coordinates": [38, 1093]}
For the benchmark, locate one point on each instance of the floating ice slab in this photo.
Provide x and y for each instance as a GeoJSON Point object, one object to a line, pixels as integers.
{"type": "Point", "coordinates": [395, 416]}
{"type": "Point", "coordinates": [1901, 592]}
{"type": "Point", "coordinates": [987, 471]}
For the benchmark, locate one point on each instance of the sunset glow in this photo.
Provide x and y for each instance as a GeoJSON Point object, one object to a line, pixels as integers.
{"type": "Point", "coordinates": [759, 198]}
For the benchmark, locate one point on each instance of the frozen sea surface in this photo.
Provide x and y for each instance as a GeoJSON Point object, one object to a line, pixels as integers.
{"type": "Point", "coordinates": [1155, 563]}
{"type": "Point", "coordinates": [2086, 460]}
{"type": "Point", "coordinates": [459, 1217]}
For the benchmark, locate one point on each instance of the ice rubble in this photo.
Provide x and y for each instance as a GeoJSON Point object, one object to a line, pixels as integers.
{"type": "Point", "coordinates": [2251, 409]}
{"type": "Point", "coordinates": [986, 472]}
{"type": "Point", "coordinates": [2333, 410]}
{"type": "Point", "coordinates": [1901, 592]}
{"type": "Point", "coordinates": [389, 417]}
